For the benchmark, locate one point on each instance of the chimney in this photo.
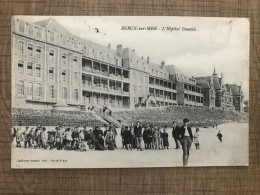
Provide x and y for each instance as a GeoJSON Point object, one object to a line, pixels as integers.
{"type": "Point", "coordinates": [109, 46]}
{"type": "Point", "coordinates": [148, 60]}
{"type": "Point", "coordinates": [162, 64]}
{"type": "Point", "coordinates": [119, 50]}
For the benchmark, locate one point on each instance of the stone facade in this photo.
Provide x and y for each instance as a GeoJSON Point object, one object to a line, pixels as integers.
{"type": "Point", "coordinates": [217, 94]}
{"type": "Point", "coordinates": [54, 69]}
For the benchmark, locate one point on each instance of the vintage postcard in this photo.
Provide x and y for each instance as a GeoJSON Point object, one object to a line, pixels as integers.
{"type": "Point", "coordinates": [115, 91]}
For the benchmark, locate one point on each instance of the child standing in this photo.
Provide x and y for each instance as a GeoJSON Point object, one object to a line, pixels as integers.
{"type": "Point", "coordinates": [18, 136]}
{"type": "Point", "coordinates": [196, 139]}
{"type": "Point", "coordinates": [165, 138]}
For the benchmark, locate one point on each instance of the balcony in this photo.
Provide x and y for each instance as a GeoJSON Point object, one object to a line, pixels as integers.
{"type": "Point", "coordinates": [105, 74]}
{"type": "Point", "coordinates": [161, 87]}
{"type": "Point", "coordinates": [193, 93]}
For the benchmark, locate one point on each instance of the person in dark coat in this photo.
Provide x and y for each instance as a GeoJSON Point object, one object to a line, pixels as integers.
{"type": "Point", "coordinates": [127, 136]}
{"type": "Point", "coordinates": [138, 135]}
{"type": "Point", "coordinates": [145, 137]}
{"type": "Point", "coordinates": [165, 138]}
{"type": "Point", "coordinates": [175, 132]}
{"type": "Point", "coordinates": [219, 135]}
{"type": "Point", "coordinates": [186, 137]}
{"type": "Point", "coordinates": [99, 143]}
{"type": "Point", "coordinates": [122, 137]}
{"type": "Point", "coordinates": [133, 144]}
{"type": "Point", "coordinates": [149, 138]}
{"type": "Point", "coordinates": [96, 132]}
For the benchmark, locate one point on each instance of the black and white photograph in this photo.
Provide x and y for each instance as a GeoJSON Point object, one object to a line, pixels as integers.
{"type": "Point", "coordinates": [129, 91]}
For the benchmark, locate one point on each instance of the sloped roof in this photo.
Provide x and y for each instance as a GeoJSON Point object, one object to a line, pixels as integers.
{"type": "Point", "coordinates": [52, 25]}
{"type": "Point", "coordinates": [96, 46]}
{"type": "Point", "coordinates": [158, 67]}
{"type": "Point", "coordinates": [206, 78]}
{"type": "Point", "coordinates": [236, 90]}
{"type": "Point", "coordinates": [203, 83]}
{"type": "Point", "coordinates": [174, 70]}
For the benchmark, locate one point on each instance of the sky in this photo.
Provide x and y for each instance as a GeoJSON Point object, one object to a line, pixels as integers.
{"type": "Point", "coordinates": [222, 43]}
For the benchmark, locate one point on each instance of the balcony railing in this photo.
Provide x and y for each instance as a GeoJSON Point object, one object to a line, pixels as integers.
{"type": "Point", "coordinates": [106, 74]}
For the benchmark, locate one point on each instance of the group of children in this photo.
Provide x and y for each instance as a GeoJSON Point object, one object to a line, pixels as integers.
{"type": "Point", "coordinates": [82, 139]}
{"type": "Point", "coordinates": [70, 138]}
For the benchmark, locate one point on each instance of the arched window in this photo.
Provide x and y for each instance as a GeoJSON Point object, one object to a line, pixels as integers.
{"type": "Point", "coordinates": [20, 66]}
{"type": "Point", "coordinates": [51, 73]}
{"type": "Point", "coordinates": [64, 58]}
{"type": "Point", "coordinates": [51, 55]}
{"type": "Point", "coordinates": [30, 68]}
{"type": "Point", "coordinates": [75, 60]}
{"type": "Point", "coordinates": [64, 93]}
{"type": "Point", "coordinates": [63, 75]}
{"type": "Point", "coordinates": [75, 94]}
{"type": "Point", "coordinates": [38, 91]}
{"type": "Point", "coordinates": [38, 52]}
{"type": "Point", "coordinates": [38, 70]}
{"type": "Point", "coordinates": [30, 88]}
{"type": "Point", "coordinates": [30, 49]}
{"type": "Point", "coordinates": [21, 47]}
{"type": "Point", "coordinates": [20, 88]}
{"type": "Point", "coordinates": [51, 91]}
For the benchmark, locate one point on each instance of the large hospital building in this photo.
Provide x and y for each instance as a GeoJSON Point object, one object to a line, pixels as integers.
{"type": "Point", "coordinates": [54, 69]}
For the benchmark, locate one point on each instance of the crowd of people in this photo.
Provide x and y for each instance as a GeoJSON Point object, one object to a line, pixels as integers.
{"type": "Point", "coordinates": [76, 138]}
{"type": "Point", "coordinates": [85, 138]}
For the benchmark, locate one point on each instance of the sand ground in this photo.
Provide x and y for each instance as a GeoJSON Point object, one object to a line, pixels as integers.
{"type": "Point", "coordinates": [233, 151]}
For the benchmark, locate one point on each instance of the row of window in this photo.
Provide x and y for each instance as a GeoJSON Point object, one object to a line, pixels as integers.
{"type": "Point", "coordinates": [38, 53]}
{"type": "Point", "coordinates": [136, 63]}
{"type": "Point", "coordinates": [30, 68]}
{"type": "Point", "coordinates": [31, 30]}
{"type": "Point", "coordinates": [38, 71]}
{"type": "Point", "coordinates": [29, 87]}
{"type": "Point", "coordinates": [156, 73]}
{"type": "Point", "coordinates": [99, 56]}
{"type": "Point", "coordinates": [30, 50]}
{"type": "Point", "coordinates": [39, 90]}
{"type": "Point", "coordinates": [37, 32]}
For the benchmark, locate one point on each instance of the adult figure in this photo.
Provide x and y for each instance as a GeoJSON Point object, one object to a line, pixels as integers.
{"type": "Point", "coordinates": [110, 140]}
{"type": "Point", "coordinates": [113, 129]}
{"type": "Point", "coordinates": [138, 135]}
{"type": "Point", "coordinates": [175, 133]}
{"type": "Point", "coordinates": [145, 137]}
{"type": "Point", "coordinates": [185, 134]}
{"type": "Point", "coordinates": [122, 136]}
{"type": "Point", "coordinates": [219, 135]}
{"type": "Point", "coordinates": [127, 136]}
{"type": "Point", "coordinates": [133, 141]}
{"type": "Point", "coordinates": [106, 130]}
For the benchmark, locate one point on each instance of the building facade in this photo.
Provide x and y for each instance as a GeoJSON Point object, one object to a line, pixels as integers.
{"type": "Point", "coordinates": [218, 95]}
{"type": "Point", "coordinates": [54, 69]}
